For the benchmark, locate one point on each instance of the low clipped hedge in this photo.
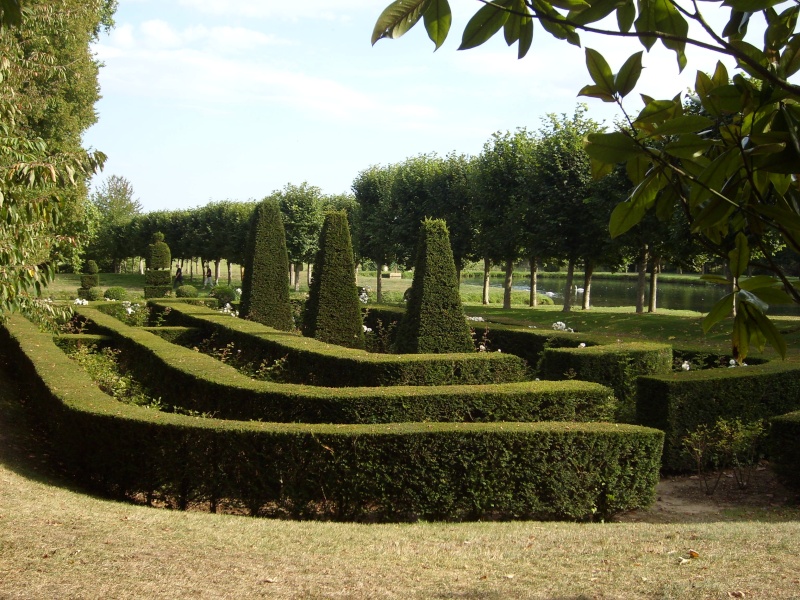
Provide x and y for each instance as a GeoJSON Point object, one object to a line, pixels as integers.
{"type": "Point", "coordinates": [116, 293]}
{"type": "Point", "coordinates": [90, 281]}
{"type": "Point", "coordinates": [379, 472]}
{"type": "Point", "coordinates": [198, 382]}
{"type": "Point", "coordinates": [159, 278]}
{"type": "Point", "coordinates": [616, 365]}
{"type": "Point", "coordinates": [784, 443]}
{"type": "Point", "coordinates": [310, 361]}
{"type": "Point", "coordinates": [679, 402]}
{"type": "Point", "coordinates": [91, 294]}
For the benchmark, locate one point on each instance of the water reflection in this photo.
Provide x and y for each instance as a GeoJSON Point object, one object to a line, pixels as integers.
{"type": "Point", "coordinates": [698, 296]}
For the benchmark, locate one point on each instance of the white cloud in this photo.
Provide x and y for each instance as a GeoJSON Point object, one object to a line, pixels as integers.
{"type": "Point", "coordinates": [313, 9]}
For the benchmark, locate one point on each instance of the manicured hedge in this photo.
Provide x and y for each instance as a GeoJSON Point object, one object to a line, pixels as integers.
{"type": "Point", "coordinates": [678, 403]}
{"type": "Point", "coordinates": [333, 310]}
{"type": "Point", "coordinates": [615, 365]}
{"type": "Point", "coordinates": [385, 472]}
{"type": "Point", "coordinates": [785, 447]}
{"type": "Point", "coordinates": [314, 362]}
{"type": "Point", "coordinates": [201, 383]}
{"type": "Point", "coordinates": [90, 281]}
{"type": "Point", "coordinates": [434, 318]}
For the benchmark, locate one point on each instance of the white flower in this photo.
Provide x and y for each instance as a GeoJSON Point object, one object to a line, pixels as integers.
{"type": "Point", "coordinates": [482, 348]}
{"type": "Point", "coordinates": [581, 345]}
{"type": "Point", "coordinates": [686, 366]}
{"type": "Point", "coordinates": [239, 291]}
{"type": "Point", "coordinates": [129, 310]}
{"type": "Point", "coordinates": [499, 350]}
{"type": "Point", "coordinates": [367, 329]}
{"type": "Point", "coordinates": [481, 319]}
{"type": "Point", "coordinates": [80, 302]}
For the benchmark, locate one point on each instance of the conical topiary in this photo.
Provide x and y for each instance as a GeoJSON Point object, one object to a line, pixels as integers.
{"type": "Point", "coordinates": [158, 278]}
{"type": "Point", "coordinates": [265, 287]}
{"type": "Point", "coordinates": [333, 310]}
{"type": "Point", "coordinates": [434, 320]}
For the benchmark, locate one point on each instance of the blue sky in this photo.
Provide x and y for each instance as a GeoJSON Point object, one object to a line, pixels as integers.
{"type": "Point", "coordinates": [208, 100]}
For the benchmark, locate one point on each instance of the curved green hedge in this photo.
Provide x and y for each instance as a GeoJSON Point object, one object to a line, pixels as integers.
{"type": "Point", "coordinates": [616, 365]}
{"type": "Point", "coordinates": [201, 383]}
{"type": "Point", "coordinates": [389, 472]}
{"type": "Point", "coordinates": [678, 403]}
{"type": "Point", "coordinates": [310, 361]}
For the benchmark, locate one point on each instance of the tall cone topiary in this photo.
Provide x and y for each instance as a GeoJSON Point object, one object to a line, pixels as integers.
{"type": "Point", "coordinates": [434, 320]}
{"type": "Point", "coordinates": [333, 310]}
{"type": "Point", "coordinates": [158, 278]}
{"type": "Point", "coordinates": [265, 287]}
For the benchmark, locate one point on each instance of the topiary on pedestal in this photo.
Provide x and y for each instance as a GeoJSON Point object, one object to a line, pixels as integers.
{"type": "Point", "coordinates": [89, 280]}
{"type": "Point", "coordinates": [333, 310]}
{"type": "Point", "coordinates": [434, 320]}
{"type": "Point", "coordinates": [265, 287]}
{"type": "Point", "coordinates": [158, 277]}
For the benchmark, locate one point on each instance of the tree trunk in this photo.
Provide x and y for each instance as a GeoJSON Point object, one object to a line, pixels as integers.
{"type": "Point", "coordinates": [297, 267]}
{"type": "Point", "coordinates": [655, 269]}
{"type": "Point", "coordinates": [586, 302]}
{"type": "Point", "coordinates": [378, 286]}
{"type": "Point", "coordinates": [641, 280]}
{"type": "Point", "coordinates": [568, 286]}
{"type": "Point", "coordinates": [534, 298]}
{"type": "Point", "coordinates": [507, 284]}
{"type": "Point", "coordinates": [216, 272]}
{"type": "Point", "coordinates": [141, 266]}
{"type": "Point", "coordinates": [230, 278]}
{"type": "Point", "coordinates": [486, 265]}
{"type": "Point", "coordinates": [308, 275]}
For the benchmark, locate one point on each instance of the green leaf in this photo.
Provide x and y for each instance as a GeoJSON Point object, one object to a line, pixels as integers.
{"type": "Point", "coordinates": [687, 145]}
{"type": "Point", "coordinates": [751, 5]}
{"type": "Point", "coordinates": [555, 24]}
{"type": "Point", "coordinates": [570, 4]}
{"type": "Point", "coordinates": [737, 25]}
{"type": "Point", "coordinates": [437, 19]}
{"type": "Point", "coordinates": [766, 328]}
{"type": "Point", "coordinates": [614, 147]}
{"type": "Point", "coordinates": [629, 213]}
{"type": "Point", "coordinates": [628, 75]}
{"type": "Point", "coordinates": [598, 10]}
{"type": "Point", "coordinates": [398, 18]}
{"type": "Point", "coordinates": [600, 169]}
{"type": "Point", "coordinates": [773, 295]}
{"type": "Point", "coordinates": [719, 311]}
{"type": "Point", "coordinates": [743, 49]}
{"type": "Point", "coordinates": [484, 24]}
{"type": "Point", "coordinates": [790, 59]}
{"type": "Point", "coordinates": [595, 91]}
{"type": "Point", "coordinates": [718, 279]}
{"type": "Point", "coordinates": [669, 20]}
{"type": "Point", "coordinates": [525, 37]}
{"type": "Point", "coordinates": [751, 284]}
{"type": "Point", "coordinates": [739, 257]}
{"type": "Point", "coordinates": [637, 168]}
{"type": "Point", "coordinates": [599, 71]}
{"type": "Point", "coordinates": [625, 16]}
{"type": "Point", "coordinates": [656, 111]}
{"type": "Point", "coordinates": [713, 176]}
{"type": "Point", "coordinates": [686, 124]}
{"type": "Point", "coordinates": [646, 22]}
{"type": "Point", "coordinates": [741, 336]}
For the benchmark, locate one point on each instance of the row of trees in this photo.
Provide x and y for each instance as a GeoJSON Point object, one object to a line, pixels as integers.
{"type": "Point", "coordinates": [528, 195]}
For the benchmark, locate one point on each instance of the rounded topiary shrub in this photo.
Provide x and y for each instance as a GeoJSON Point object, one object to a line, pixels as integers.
{"type": "Point", "coordinates": [160, 255]}
{"type": "Point", "coordinates": [224, 294]}
{"type": "Point", "coordinates": [93, 293]}
{"type": "Point", "coordinates": [186, 291]}
{"type": "Point", "coordinates": [90, 268]}
{"type": "Point", "coordinates": [265, 287]}
{"type": "Point", "coordinates": [158, 278]}
{"type": "Point", "coordinates": [116, 293]}
{"type": "Point", "coordinates": [333, 310]}
{"type": "Point", "coordinates": [90, 280]}
{"type": "Point", "coordinates": [434, 320]}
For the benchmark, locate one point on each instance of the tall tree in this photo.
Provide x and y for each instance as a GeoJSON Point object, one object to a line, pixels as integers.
{"type": "Point", "coordinates": [116, 205]}
{"type": "Point", "coordinates": [302, 209]}
{"type": "Point", "coordinates": [48, 86]}
{"type": "Point", "coordinates": [733, 173]}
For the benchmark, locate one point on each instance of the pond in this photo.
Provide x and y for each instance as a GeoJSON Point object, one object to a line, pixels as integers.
{"type": "Point", "coordinates": [698, 296]}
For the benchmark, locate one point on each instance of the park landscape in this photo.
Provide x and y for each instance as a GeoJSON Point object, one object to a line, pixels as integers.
{"type": "Point", "coordinates": [334, 413]}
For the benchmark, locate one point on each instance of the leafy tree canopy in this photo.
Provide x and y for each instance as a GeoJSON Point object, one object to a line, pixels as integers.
{"type": "Point", "coordinates": [731, 168]}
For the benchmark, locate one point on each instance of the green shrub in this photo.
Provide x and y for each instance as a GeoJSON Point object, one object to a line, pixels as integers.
{"type": "Point", "coordinates": [90, 268]}
{"type": "Point", "coordinates": [159, 278]}
{"type": "Point", "coordinates": [391, 472]}
{"type": "Point", "coordinates": [784, 442]}
{"type": "Point", "coordinates": [92, 294]}
{"type": "Point", "coordinates": [615, 365]}
{"type": "Point", "coordinates": [434, 320]}
{"type": "Point", "coordinates": [116, 293]}
{"type": "Point", "coordinates": [679, 403]}
{"type": "Point", "coordinates": [186, 291]}
{"type": "Point", "coordinates": [265, 287]}
{"type": "Point", "coordinates": [160, 256]}
{"type": "Point", "coordinates": [333, 310]}
{"type": "Point", "coordinates": [90, 281]}
{"type": "Point", "coordinates": [223, 293]}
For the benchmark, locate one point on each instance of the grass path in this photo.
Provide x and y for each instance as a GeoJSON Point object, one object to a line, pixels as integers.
{"type": "Point", "coordinates": [56, 542]}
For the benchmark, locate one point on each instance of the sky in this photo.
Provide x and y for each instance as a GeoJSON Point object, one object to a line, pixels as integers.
{"type": "Point", "coordinates": [207, 100]}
